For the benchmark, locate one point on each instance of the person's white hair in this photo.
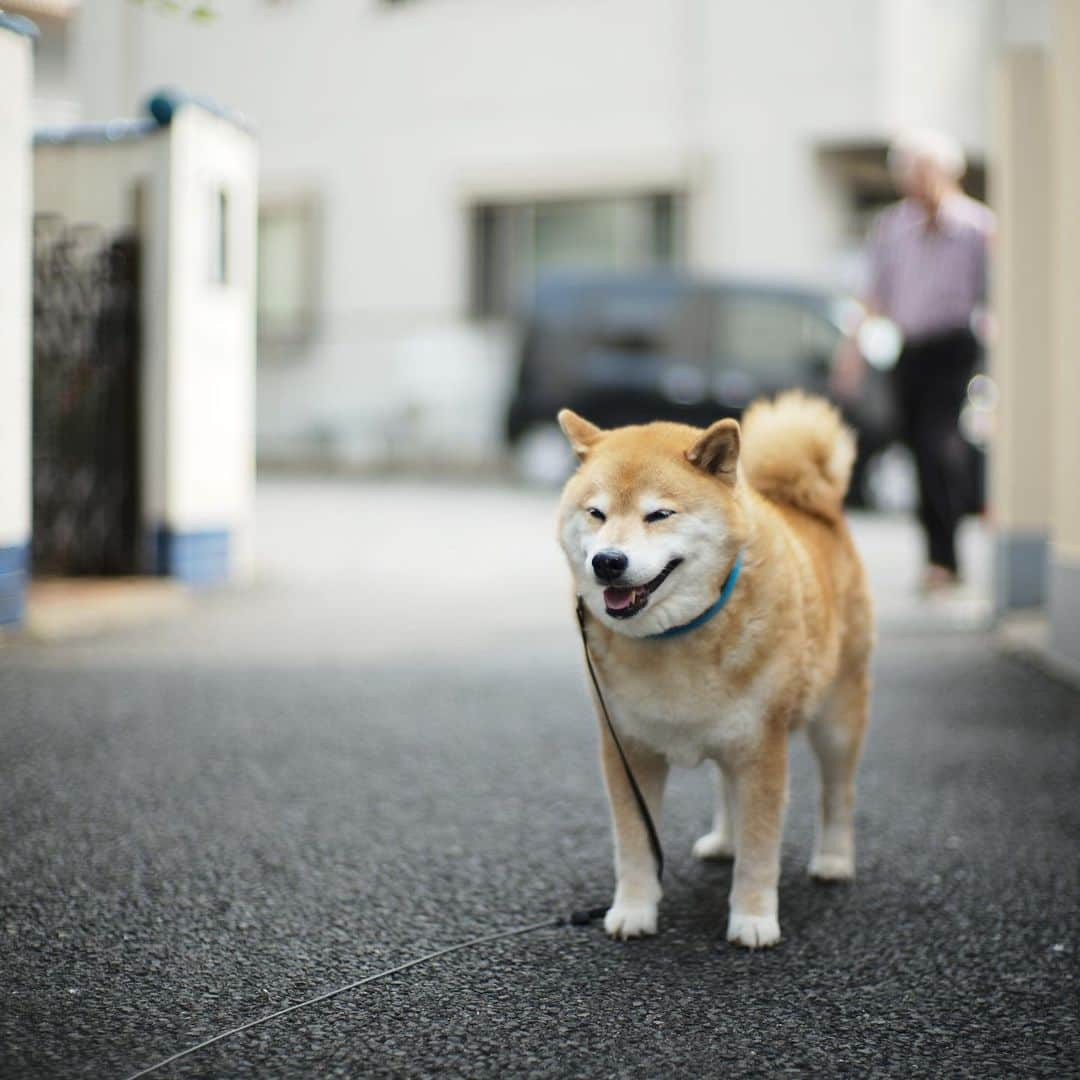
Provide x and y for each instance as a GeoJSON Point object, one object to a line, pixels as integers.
{"type": "Point", "coordinates": [925, 144]}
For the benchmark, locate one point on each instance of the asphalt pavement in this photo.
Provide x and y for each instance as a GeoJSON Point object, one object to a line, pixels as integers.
{"type": "Point", "coordinates": [384, 746]}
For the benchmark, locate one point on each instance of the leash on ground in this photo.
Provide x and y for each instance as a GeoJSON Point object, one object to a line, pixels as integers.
{"type": "Point", "coordinates": [582, 917]}
{"type": "Point", "coordinates": [427, 957]}
{"type": "Point", "coordinates": [576, 918]}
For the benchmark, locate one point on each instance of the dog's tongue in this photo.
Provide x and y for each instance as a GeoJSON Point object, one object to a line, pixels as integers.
{"type": "Point", "coordinates": [618, 599]}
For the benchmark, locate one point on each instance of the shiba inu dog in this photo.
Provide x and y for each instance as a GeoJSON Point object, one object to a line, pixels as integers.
{"type": "Point", "coordinates": [725, 606]}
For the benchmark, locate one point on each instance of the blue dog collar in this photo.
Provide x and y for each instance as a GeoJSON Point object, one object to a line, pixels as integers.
{"type": "Point", "coordinates": [709, 612]}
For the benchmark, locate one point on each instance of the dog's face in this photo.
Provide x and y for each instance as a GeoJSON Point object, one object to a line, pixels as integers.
{"type": "Point", "coordinates": [650, 522]}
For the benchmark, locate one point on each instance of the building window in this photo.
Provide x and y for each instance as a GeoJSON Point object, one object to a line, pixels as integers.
{"type": "Point", "coordinates": [287, 270]}
{"type": "Point", "coordinates": [514, 243]}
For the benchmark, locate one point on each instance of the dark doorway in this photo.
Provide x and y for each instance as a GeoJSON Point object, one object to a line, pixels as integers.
{"type": "Point", "coordinates": [85, 401]}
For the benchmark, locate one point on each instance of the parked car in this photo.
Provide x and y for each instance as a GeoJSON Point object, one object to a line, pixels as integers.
{"type": "Point", "coordinates": [629, 348]}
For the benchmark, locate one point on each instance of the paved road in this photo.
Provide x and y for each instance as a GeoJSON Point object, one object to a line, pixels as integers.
{"type": "Point", "coordinates": [384, 747]}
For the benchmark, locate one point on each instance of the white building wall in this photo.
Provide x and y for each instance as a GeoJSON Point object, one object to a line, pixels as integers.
{"type": "Point", "coordinates": [15, 89]}
{"type": "Point", "coordinates": [936, 60]}
{"type": "Point", "coordinates": [397, 116]}
{"type": "Point", "coordinates": [56, 89]}
{"type": "Point", "coordinates": [94, 182]}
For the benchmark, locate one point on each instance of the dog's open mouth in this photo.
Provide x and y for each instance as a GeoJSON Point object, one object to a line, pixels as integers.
{"type": "Point", "coordinates": [623, 603]}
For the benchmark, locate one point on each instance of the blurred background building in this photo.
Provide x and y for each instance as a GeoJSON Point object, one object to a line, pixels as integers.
{"type": "Point", "coordinates": [423, 161]}
{"type": "Point", "coordinates": [423, 164]}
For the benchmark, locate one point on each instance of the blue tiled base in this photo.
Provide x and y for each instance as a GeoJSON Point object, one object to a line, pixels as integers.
{"type": "Point", "coordinates": [196, 558]}
{"type": "Point", "coordinates": [1020, 568]}
{"type": "Point", "coordinates": [13, 562]}
{"type": "Point", "coordinates": [1064, 606]}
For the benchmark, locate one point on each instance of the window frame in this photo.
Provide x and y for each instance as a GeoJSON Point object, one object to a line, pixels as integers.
{"type": "Point", "coordinates": [307, 206]}
{"type": "Point", "coordinates": [501, 229]}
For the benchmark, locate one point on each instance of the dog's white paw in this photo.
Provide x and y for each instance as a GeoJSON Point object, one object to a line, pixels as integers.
{"type": "Point", "coordinates": [628, 919]}
{"type": "Point", "coordinates": [713, 845]}
{"type": "Point", "coordinates": [753, 931]}
{"type": "Point", "coordinates": [832, 867]}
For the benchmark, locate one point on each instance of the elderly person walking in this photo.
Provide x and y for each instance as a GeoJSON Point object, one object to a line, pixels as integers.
{"type": "Point", "coordinates": [928, 274]}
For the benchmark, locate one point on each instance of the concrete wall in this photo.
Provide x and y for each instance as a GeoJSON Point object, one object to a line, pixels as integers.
{"type": "Point", "coordinates": [15, 264]}
{"type": "Point", "coordinates": [1022, 359]}
{"type": "Point", "coordinates": [1036, 457]}
{"type": "Point", "coordinates": [398, 116]}
{"type": "Point", "coordinates": [1064, 593]}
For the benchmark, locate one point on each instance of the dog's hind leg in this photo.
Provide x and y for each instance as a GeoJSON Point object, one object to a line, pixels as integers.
{"type": "Point", "coordinates": [836, 738]}
{"type": "Point", "coordinates": [635, 909]}
{"type": "Point", "coordinates": [720, 842]}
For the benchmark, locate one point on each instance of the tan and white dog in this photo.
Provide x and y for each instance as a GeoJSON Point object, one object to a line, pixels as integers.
{"type": "Point", "coordinates": [725, 607]}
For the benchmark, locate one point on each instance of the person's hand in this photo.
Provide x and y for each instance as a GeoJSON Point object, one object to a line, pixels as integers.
{"type": "Point", "coordinates": [984, 326]}
{"type": "Point", "coordinates": [848, 370]}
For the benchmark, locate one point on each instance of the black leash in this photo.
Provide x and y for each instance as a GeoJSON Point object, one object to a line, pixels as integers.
{"type": "Point", "coordinates": [517, 931]}
{"type": "Point", "coordinates": [582, 917]}
{"type": "Point", "coordinates": [646, 817]}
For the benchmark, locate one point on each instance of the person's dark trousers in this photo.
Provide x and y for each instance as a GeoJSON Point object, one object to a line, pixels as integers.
{"type": "Point", "coordinates": [931, 378]}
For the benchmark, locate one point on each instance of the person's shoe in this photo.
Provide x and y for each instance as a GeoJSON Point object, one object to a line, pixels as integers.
{"type": "Point", "coordinates": [937, 580]}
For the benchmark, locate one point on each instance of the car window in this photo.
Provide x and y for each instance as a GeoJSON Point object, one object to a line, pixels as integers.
{"type": "Point", "coordinates": [662, 323]}
{"type": "Point", "coordinates": [769, 333]}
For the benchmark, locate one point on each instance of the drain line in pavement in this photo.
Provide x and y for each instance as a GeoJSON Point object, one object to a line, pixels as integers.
{"type": "Point", "coordinates": [578, 918]}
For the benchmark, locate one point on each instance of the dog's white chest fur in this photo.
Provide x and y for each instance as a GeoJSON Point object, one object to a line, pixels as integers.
{"type": "Point", "coordinates": [686, 718]}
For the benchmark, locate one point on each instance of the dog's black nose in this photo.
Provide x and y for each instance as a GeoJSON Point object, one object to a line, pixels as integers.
{"type": "Point", "coordinates": [609, 564]}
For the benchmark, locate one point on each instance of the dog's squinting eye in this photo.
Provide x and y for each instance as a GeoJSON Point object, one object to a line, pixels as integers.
{"type": "Point", "coordinates": [658, 515]}
{"type": "Point", "coordinates": [598, 514]}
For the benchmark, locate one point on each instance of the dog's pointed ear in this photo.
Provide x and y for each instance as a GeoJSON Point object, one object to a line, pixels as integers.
{"type": "Point", "coordinates": [717, 451]}
{"type": "Point", "coordinates": [579, 432]}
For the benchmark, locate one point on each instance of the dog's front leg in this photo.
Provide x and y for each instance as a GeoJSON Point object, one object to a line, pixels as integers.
{"type": "Point", "coordinates": [760, 796]}
{"type": "Point", "coordinates": [633, 911]}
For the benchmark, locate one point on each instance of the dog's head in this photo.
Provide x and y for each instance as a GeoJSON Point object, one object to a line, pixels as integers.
{"type": "Point", "coordinates": [651, 522]}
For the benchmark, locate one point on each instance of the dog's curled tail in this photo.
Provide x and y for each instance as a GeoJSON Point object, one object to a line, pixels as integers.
{"type": "Point", "coordinates": [796, 449]}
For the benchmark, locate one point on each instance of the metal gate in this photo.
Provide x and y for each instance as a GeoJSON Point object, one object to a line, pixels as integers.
{"type": "Point", "coordinates": [85, 401]}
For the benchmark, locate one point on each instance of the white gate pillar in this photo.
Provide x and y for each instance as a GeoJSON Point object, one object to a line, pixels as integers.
{"type": "Point", "coordinates": [16, 70]}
